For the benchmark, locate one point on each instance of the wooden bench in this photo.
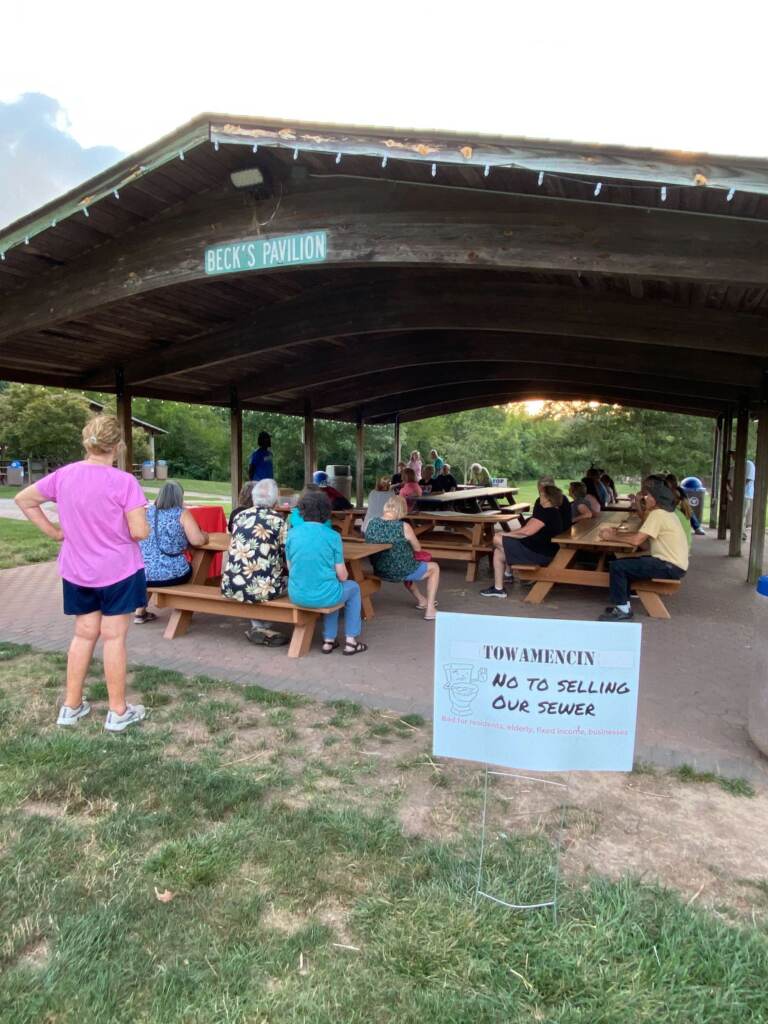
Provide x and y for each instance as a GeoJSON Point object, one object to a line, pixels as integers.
{"type": "Point", "coordinates": [648, 591]}
{"type": "Point", "coordinates": [191, 597]}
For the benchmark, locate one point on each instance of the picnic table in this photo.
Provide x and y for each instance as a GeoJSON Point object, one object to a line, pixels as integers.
{"type": "Point", "coordinates": [355, 554]}
{"type": "Point", "coordinates": [585, 536]}
{"type": "Point", "coordinates": [622, 504]}
{"type": "Point", "coordinates": [461, 536]}
{"type": "Point", "coordinates": [470, 500]}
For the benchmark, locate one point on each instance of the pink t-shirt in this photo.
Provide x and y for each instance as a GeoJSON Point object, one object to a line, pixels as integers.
{"type": "Point", "coordinates": [92, 501]}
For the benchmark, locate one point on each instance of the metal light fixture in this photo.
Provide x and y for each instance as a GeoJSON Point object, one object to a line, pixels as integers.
{"type": "Point", "coordinates": [251, 177]}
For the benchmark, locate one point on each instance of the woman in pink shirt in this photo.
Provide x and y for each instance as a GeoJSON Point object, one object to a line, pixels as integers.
{"type": "Point", "coordinates": [410, 489]}
{"type": "Point", "coordinates": [102, 516]}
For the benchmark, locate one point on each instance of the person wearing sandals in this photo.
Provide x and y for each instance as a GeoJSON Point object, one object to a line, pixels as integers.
{"type": "Point", "coordinates": [172, 529]}
{"type": "Point", "coordinates": [255, 569]}
{"type": "Point", "coordinates": [102, 516]}
{"type": "Point", "coordinates": [317, 575]}
{"type": "Point", "coordinates": [400, 564]}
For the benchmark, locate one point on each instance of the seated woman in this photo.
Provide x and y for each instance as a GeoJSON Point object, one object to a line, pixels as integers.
{"type": "Point", "coordinates": [580, 507]}
{"type": "Point", "coordinates": [428, 479]}
{"type": "Point", "coordinates": [317, 575]}
{"type": "Point", "coordinates": [532, 545]}
{"type": "Point", "coordinates": [172, 529]}
{"type": "Point", "coordinates": [565, 505]}
{"type": "Point", "coordinates": [399, 564]}
{"type": "Point", "coordinates": [610, 486]}
{"type": "Point", "coordinates": [397, 477]}
{"type": "Point", "coordinates": [595, 490]}
{"type": "Point", "coordinates": [243, 502]}
{"type": "Point", "coordinates": [377, 500]}
{"type": "Point", "coordinates": [410, 489]}
{"type": "Point", "coordinates": [255, 569]}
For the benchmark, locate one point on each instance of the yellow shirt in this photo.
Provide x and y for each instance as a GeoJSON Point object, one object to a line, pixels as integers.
{"type": "Point", "coordinates": [668, 540]}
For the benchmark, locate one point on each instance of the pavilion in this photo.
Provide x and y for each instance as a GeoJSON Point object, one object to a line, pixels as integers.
{"type": "Point", "coordinates": [381, 275]}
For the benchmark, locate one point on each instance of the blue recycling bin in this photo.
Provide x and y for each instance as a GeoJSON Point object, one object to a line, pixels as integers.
{"type": "Point", "coordinates": [695, 492]}
{"type": "Point", "coordinates": [762, 586]}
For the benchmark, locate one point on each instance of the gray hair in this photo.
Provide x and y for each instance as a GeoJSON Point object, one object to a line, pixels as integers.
{"type": "Point", "coordinates": [171, 495]}
{"type": "Point", "coordinates": [264, 493]}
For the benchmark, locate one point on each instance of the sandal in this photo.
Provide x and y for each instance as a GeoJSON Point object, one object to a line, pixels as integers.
{"type": "Point", "coordinates": [423, 607]}
{"type": "Point", "coordinates": [356, 648]}
{"type": "Point", "coordinates": [430, 618]}
{"type": "Point", "coordinates": [144, 617]}
{"type": "Point", "coordinates": [329, 646]}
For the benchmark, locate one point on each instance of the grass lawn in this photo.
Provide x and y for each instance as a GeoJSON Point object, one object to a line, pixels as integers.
{"type": "Point", "coordinates": [248, 856]}
{"type": "Point", "coordinates": [22, 543]}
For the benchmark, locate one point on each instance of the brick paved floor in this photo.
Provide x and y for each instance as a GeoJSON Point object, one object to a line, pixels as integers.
{"type": "Point", "coordinates": [696, 667]}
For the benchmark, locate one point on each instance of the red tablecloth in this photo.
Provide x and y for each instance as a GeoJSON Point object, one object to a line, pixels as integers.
{"type": "Point", "coordinates": [211, 518]}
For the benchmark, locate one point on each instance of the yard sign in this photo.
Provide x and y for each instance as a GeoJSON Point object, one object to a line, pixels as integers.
{"type": "Point", "coordinates": [263, 253]}
{"type": "Point", "coordinates": [536, 694]}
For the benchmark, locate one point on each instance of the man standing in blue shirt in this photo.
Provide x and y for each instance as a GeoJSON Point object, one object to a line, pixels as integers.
{"type": "Point", "coordinates": [260, 466]}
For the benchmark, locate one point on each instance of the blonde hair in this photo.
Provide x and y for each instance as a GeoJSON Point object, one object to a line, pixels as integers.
{"type": "Point", "coordinates": [396, 506]}
{"type": "Point", "coordinates": [102, 434]}
{"type": "Point", "coordinates": [383, 483]}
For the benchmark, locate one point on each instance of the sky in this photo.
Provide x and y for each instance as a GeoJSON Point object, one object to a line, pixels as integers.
{"type": "Point", "coordinates": [82, 83]}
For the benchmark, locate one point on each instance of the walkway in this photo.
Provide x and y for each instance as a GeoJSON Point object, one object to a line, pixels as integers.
{"type": "Point", "coordinates": [696, 667]}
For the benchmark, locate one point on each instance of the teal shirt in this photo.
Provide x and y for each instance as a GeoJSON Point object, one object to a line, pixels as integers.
{"type": "Point", "coordinates": [313, 552]}
{"type": "Point", "coordinates": [438, 464]}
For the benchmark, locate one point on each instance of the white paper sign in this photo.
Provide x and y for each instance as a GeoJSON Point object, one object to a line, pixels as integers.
{"type": "Point", "coordinates": [536, 694]}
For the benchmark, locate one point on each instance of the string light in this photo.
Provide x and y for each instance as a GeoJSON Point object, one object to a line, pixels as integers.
{"type": "Point", "coordinates": [2, 256]}
{"type": "Point", "coordinates": [216, 145]}
{"type": "Point", "coordinates": [731, 194]}
{"type": "Point", "coordinates": [181, 154]}
{"type": "Point", "coordinates": [598, 188]}
{"type": "Point", "coordinates": [487, 170]}
{"type": "Point", "coordinates": [541, 178]}
{"type": "Point", "coordinates": [296, 153]}
{"type": "Point", "coordinates": [115, 193]}
{"type": "Point", "coordinates": [255, 147]}
{"type": "Point", "coordinates": [384, 161]}
{"type": "Point", "coordinates": [663, 193]}
{"type": "Point", "coordinates": [85, 211]}
{"type": "Point", "coordinates": [338, 157]}
{"type": "Point", "coordinates": [434, 170]}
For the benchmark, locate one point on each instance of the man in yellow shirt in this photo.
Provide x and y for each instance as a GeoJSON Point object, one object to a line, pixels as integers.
{"type": "Point", "coordinates": [668, 558]}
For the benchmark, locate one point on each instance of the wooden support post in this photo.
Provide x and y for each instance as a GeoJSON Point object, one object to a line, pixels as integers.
{"type": "Point", "coordinates": [235, 444]}
{"type": "Point", "coordinates": [359, 462]}
{"type": "Point", "coordinates": [309, 443]}
{"type": "Point", "coordinates": [123, 404]}
{"type": "Point", "coordinates": [757, 539]}
{"type": "Point", "coordinates": [739, 476]}
{"type": "Point", "coordinates": [151, 447]}
{"type": "Point", "coordinates": [396, 444]}
{"type": "Point", "coordinates": [722, 513]}
{"type": "Point", "coordinates": [717, 454]}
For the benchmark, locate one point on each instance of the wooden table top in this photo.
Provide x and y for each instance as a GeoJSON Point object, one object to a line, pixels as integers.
{"type": "Point", "coordinates": [586, 533]}
{"type": "Point", "coordinates": [468, 493]}
{"type": "Point", "coordinates": [353, 550]}
{"type": "Point", "coordinates": [463, 517]}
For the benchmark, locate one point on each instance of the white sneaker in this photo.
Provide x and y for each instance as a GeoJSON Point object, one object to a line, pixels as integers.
{"type": "Point", "coordinates": [71, 716]}
{"type": "Point", "coordinates": [118, 723]}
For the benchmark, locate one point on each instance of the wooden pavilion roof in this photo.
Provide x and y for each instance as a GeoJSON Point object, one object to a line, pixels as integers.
{"type": "Point", "coordinates": [461, 271]}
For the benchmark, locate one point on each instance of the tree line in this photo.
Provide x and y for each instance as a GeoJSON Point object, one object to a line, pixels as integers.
{"type": "Point", "coordinates": [562, 439]}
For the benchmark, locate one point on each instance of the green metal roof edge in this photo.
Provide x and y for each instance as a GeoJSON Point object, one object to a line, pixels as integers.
{"type": "Point", "coordinates": [132, 168]}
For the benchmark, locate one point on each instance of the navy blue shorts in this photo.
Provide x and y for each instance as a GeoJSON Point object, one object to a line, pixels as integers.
{"type": "Point", "coordinates": [119, 598]}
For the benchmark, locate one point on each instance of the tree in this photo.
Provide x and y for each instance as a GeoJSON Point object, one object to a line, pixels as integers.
{"type": "Point", "coordinates": [38, 422]}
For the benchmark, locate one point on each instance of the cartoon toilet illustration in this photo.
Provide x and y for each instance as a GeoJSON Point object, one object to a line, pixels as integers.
{"type": "Point", "coordinates": [461, 682]}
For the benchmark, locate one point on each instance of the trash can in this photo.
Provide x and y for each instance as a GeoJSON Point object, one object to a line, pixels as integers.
{"type": "Point", "coordinates": [15, 474]}
{"type": "Point", "coordinates": [757, 705]}
{"type": "Point", "coordinates": [695, 492]}
{"type": "Point", "coordinates": [161, 470]}
{"type": "Point", "coordinates": [147, 470]}
{"type": "Point", "coordinates": [340, 477]}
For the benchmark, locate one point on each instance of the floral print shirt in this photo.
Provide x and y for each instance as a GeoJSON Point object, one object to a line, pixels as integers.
{"type": "Point", "coordinates": [255, 569]}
